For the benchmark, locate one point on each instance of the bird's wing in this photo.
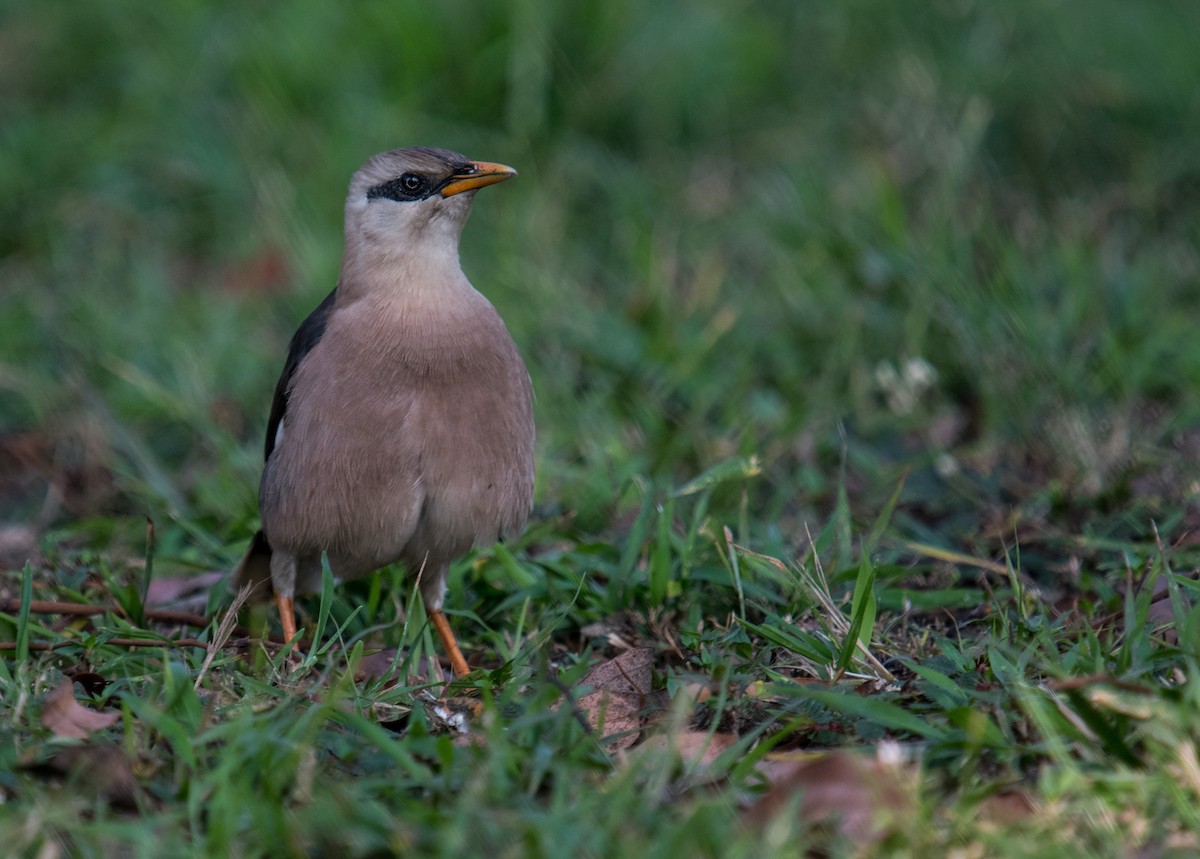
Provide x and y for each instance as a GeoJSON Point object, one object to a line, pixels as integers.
{"type": "Point", "coordinates": [255, 566]}
{"type": "Point", "coordinates": [306, 337]}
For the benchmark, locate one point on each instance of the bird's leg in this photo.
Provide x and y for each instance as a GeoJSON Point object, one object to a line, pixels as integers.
{"type": "Point", "coordinates": [457, 663]}
{"type": "Point", "coordinates": [283, 582]}
{"type": "Point", "coordinates": [287, 616]}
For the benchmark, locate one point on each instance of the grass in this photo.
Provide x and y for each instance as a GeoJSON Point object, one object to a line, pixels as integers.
{"type": "Point", "coordinates": [867, 395]}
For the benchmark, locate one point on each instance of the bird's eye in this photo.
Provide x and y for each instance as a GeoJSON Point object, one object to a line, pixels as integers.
{"type": "Point", "coordinates": [404, 188]}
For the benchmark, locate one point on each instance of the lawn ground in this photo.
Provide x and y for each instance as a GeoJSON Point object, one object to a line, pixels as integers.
{"type": "Point", "coordinates": [868, 399]}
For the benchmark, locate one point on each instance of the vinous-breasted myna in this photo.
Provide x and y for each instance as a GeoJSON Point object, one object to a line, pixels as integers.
{"type": "Point", "coordinates": [402, 427]}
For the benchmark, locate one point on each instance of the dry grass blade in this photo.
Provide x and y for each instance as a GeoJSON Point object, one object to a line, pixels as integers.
{"type": "Point", "coordinates": [224, 629]}
{"type": "Point", "coordinates": [952, 557]}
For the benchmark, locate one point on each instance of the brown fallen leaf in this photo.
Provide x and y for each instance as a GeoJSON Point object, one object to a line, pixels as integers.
{"type": "Point", "coordinates": [627, 674]}
{"type": "Point", "coordinates": [377, 666]}
{"type": "Point", "coordinates": [1006, 808]}
{"type": "Point", "coordinates": [696, 750]}
{"type": "Point", "coordinates": [691, 694]}
{"type": "Point", "coordinates": [618, 690]}
{"type": "Point", "coordinates": [700, 748]}
{"type": "Point", "coordinates": [101, 769]}
{"type": "Point", "coordinates": [864, 796]}
{"type": "Point", "coordinates": [469, 740]}
{"type": "Point", "coordinates": [191, 591]}
{"type": "Point", "coordinates": [387, 665]}
{"type": "Point", "coordinates": [1160, 614]}
{"type": "Point", "coordinates": [66, 717]}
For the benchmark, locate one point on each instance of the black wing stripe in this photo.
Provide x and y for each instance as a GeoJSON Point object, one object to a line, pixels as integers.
{"type": "Point", "coordinates": [306, 337]}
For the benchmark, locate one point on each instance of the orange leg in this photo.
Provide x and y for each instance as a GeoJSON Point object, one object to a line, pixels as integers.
{"type": "Point", "coordinates": [287, 617]}
{"type": "Point", "coordinates": [457, 663]}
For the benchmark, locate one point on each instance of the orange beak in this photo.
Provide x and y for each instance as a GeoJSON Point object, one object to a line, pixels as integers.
{"type": "Point", "coordinates": [475, 175]}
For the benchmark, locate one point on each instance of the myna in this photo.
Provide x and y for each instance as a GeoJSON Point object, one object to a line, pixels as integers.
{"type": "Point", "coordinates": [402, 426]}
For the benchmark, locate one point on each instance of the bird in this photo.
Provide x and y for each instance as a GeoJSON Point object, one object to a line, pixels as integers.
{"type": "Point", "coordinates": [402, 424]}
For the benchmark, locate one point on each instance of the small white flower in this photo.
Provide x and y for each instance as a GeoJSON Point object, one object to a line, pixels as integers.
{"type": "Point", "coordinates": [919, 374]}
{"type": "Point", "coordinates": [945, 465]}
{"type": "Point", "coordinates": [903, 389]}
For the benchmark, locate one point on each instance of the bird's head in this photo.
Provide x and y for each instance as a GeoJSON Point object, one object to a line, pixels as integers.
{"type": "Point", "coordinates": [407, 198]}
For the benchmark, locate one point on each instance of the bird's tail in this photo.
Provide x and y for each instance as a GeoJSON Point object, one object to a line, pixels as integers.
{"type": "Point", "coordinates": [255, 569]}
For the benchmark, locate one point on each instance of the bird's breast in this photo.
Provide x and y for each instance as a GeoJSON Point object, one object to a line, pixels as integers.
{"type": "Point", "coordinates": [404, 439]}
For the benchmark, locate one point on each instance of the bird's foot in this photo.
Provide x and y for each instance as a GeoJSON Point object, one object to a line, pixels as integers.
{"type": "Point", "coordinates": [457, 664]}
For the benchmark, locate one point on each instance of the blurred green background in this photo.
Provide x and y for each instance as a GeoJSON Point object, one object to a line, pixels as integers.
{"type": "Point", "coordinates": [955, 238]}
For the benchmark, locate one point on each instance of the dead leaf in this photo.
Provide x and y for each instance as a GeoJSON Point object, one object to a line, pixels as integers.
{"type": "Point", "coordinates": [616, 715]}
{"type": "Point", "coordinates": [865, 796]}
{"type": "Point", "coordinates": [377, 666]}
{"type": "Point", "coordinates": [609, 632]}
{"type": "Point", "coordinates": [618, 692]}
{"type": "Point", "coordinates": [627, 674]}
{"type": "Point", "coordinates": [1006, 808]}
{"type": "Point", "coordinates": [102, 769]}
{"type": "Point", "coordinates": [700, 748]}
{"type": "Point", "coordinates": [469, 740]}
{"type": "Point", "coordinates": [66, 717]}
{"type": "Point", "coordinates": [1161, 611]}
{"type": "Point", "coordinates": [692, 694]}
{"type": "Point", "coordinates": [391, 667]}
{"type": "Point", "coordinates": [190, 591]}
{"type": "Point", "coordinates": [696, 750]}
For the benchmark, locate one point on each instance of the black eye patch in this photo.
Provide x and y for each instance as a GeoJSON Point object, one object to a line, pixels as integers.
{"type": "Point", "coordinates": [405, 188]}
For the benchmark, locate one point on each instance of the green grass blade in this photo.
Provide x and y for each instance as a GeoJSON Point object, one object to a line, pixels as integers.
{"type": "Point", "coordinates": [874, 709]}
{"type": "Point", "coordinates": [862, 622]}
{"type": "Point", "coordinates": [885, 516]}
{"type": "Point", "coordinates": [23, 629]}
{"type": "Point", "coordinates": [660, 555]}
{"type": "Point", "coordinates": [738, 468]}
